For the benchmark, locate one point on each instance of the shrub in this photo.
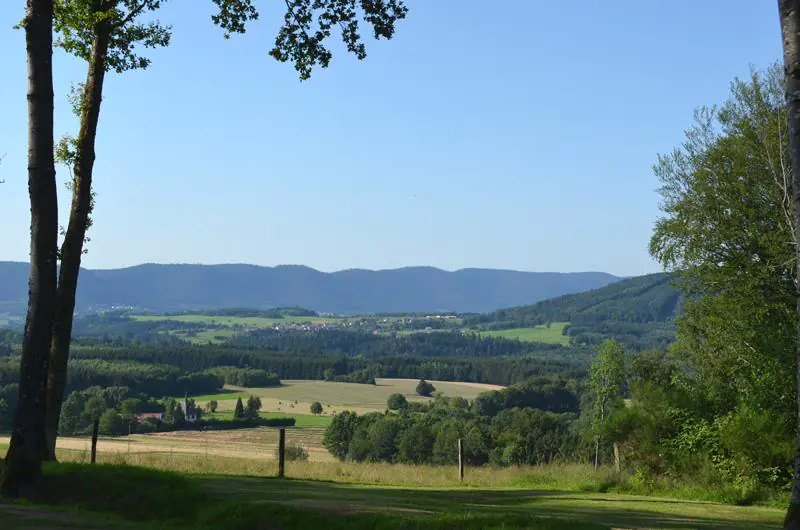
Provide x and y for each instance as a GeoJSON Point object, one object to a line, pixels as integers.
{"type": "Point", "coordinates": [424, 388]}
{"type": "Point", "coordinates": [397, 402]}
{"type": "Point", "coordinates": [293, 453]}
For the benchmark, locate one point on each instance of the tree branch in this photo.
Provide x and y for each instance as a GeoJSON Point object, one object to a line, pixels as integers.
{"type": "Point", "coordinates": [134, 12]}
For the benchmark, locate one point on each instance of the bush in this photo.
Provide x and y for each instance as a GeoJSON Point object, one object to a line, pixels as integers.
{"type": "Point", "coordinates": [316, 408]}
{"type": "Point", "coordinates": [397, 402]}
{"type": "Point", "coordinates": [293, 453]}
{"type": "Point", "coordinates": [424, 388]}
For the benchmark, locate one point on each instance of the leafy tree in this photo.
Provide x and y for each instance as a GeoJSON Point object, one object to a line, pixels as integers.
{"type": "Point", "coordinates": [339, 434]}
{"type": "Point", "coordinates": [94, 408]}
{"type": "Point", "coordinates": [606, 379]}
{"type": "Point", "coordinates": [328, 374]}
{"type": "Point", "coordinates": [238, 411]}
{"type": "Point", "coordinates": [112, 424]}
{"type": "Point", "coordinates": [397, 402]}
{"type": "Point", "coordinates": [130, 407]}
{"type": "Point", "coordinates": [790, 24]}
{"type": "Point", "coordinates": [425, 388]}
{"type": "Point", "coordinates": [415, 443]}
{"type": "Point", "coordinates": [178, 415]}
{"type": "Point", "coordinates": [212, 405]}
{"type": "Point", "coordinates": [105, 33]}
{"type": "Point", "coordinates": [252, 408]}
{"type": "Point", "coordinates": [728, 233]}
{"type": "Point", "coordinates": [316, 408]}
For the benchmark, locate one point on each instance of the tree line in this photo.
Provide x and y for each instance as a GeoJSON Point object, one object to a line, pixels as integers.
{"type": "Point", "coordinates": [530, 423]}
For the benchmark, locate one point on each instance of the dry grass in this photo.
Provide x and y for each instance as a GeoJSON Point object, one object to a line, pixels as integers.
{"type": "Point", "coordinates": [296, 396]}
{"type": "Point", "coordinates": [570, 476]}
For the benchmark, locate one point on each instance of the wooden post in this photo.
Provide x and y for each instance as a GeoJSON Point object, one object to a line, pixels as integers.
{"type": "Point", "coordinates": [95, 428]}
{"type": "Point", "coordinates": [460, 461]}
{"type": "Point", "coordinates": [281, 452]}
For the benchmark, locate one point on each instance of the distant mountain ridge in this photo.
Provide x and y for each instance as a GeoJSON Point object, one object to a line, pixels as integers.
{"type": "Point", "coordinates": [175, 287]}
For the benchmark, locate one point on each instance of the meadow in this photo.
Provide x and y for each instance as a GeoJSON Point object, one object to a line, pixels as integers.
{"type": "Point", "coordinates": [296, 396]}
{"type": "Point", "coordinates": [551, 335]}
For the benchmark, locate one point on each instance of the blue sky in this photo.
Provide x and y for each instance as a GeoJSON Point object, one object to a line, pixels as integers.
{"type": "Point", "coordinates": [516, 134]}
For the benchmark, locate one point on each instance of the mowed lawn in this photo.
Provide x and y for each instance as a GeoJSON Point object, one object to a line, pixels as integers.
{"type": "Point", "coordinates": [296, 396]}
{"type": "Point", "coordinates": [551, 335]}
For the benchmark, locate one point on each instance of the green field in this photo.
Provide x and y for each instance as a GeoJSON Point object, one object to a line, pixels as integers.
{"type": "Point", "coordinates": [206, 335]}
{"type": "Point", "coordinates": [551, 335]}
{"type": "Point", "coordinates": [301, 420]}
{"type": "Point", "coordinates": [296, 396]}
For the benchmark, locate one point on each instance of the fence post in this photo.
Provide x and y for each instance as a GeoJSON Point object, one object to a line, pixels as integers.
{"type": "Point", "coordinates": [460, 461]}
{"type": "Point", "coordinates": [281, 452]}
{"type": "Point", "coordinates": [95, 428]}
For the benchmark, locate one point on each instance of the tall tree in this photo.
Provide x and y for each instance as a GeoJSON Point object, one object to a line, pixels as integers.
{"type": "Point", "coordinates": [728, 233]}
{"type": "Point", "coordinates": [103, 33]}
{"type": "Point", "coordinates": [790, 29]}
{"type": "Point", "coordinates": [23, 460]}
{"type": "Point", "coordinates": [606, 379]}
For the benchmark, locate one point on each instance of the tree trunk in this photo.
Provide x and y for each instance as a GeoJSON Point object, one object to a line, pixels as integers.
{"type": "Point", "coordinates": [72, 248]}
{"type": "Point", "coordinates": [790, 29]}
{"type": "Point", "coordinates": [23, 463]}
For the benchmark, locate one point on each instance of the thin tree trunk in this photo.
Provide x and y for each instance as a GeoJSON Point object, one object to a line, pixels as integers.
{"type": "Point", "coordinates": [23, 462]}
{"type": "Point", "coordinates": [596, 453]}
{"type": "Point", "coordinates": [72, 248]}
{"type": "Point", "coordinates": [790, 29]}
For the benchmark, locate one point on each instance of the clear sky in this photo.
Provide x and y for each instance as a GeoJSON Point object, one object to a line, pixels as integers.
{"type": "Point", "coordinates": [516, 134]}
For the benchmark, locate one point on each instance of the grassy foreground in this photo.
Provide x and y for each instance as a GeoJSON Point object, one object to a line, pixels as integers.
{"type": "Point", "coordinates": [237, 493]}
{"type": "Point", "coordinates": [115, 496]}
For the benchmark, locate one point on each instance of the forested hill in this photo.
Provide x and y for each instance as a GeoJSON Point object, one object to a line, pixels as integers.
{"type": "Point", "coordinates": [639, 311]}
{"type": "Point", "coordinates": [413, 289]}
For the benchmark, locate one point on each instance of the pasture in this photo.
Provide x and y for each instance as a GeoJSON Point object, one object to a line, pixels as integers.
{"type": "Point", "coordinates": [296, 396]}
{"type": "Point", "coordinates": [301, 420]}
{"type": "Point", "coordinates": [551, 335]}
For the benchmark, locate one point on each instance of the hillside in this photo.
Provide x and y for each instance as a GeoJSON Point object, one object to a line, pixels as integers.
{"type": "Point", "coordinates": [638, 311]}
{"type": "Point", "coordinates": [413, 289]}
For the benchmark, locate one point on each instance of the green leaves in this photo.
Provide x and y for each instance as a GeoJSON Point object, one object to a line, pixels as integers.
{"type": "Point", "coordinates": [79, 23]}
{"type": "Point", "coordinates": [728, 230]}
{"type": "Point", "coordinates": [309, 23]}
{"type": "Point", "coordinates": [233, 15]}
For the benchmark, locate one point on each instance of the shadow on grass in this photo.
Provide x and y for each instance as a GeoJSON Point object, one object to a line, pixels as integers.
{"type": "Point", "coordinates": [612, 510]}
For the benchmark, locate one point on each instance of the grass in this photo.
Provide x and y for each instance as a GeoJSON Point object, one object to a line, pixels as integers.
{"type": "Point", "coordinates": [551, 335]}
{"type": "Point", "coordinates": [215, 336]}
{"type": "Point", "coordinates": [163, 499]}
{"type": "Point", "coordinates": [296, 396]}
{"type": "Point", "coordinates": [301, 420]}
